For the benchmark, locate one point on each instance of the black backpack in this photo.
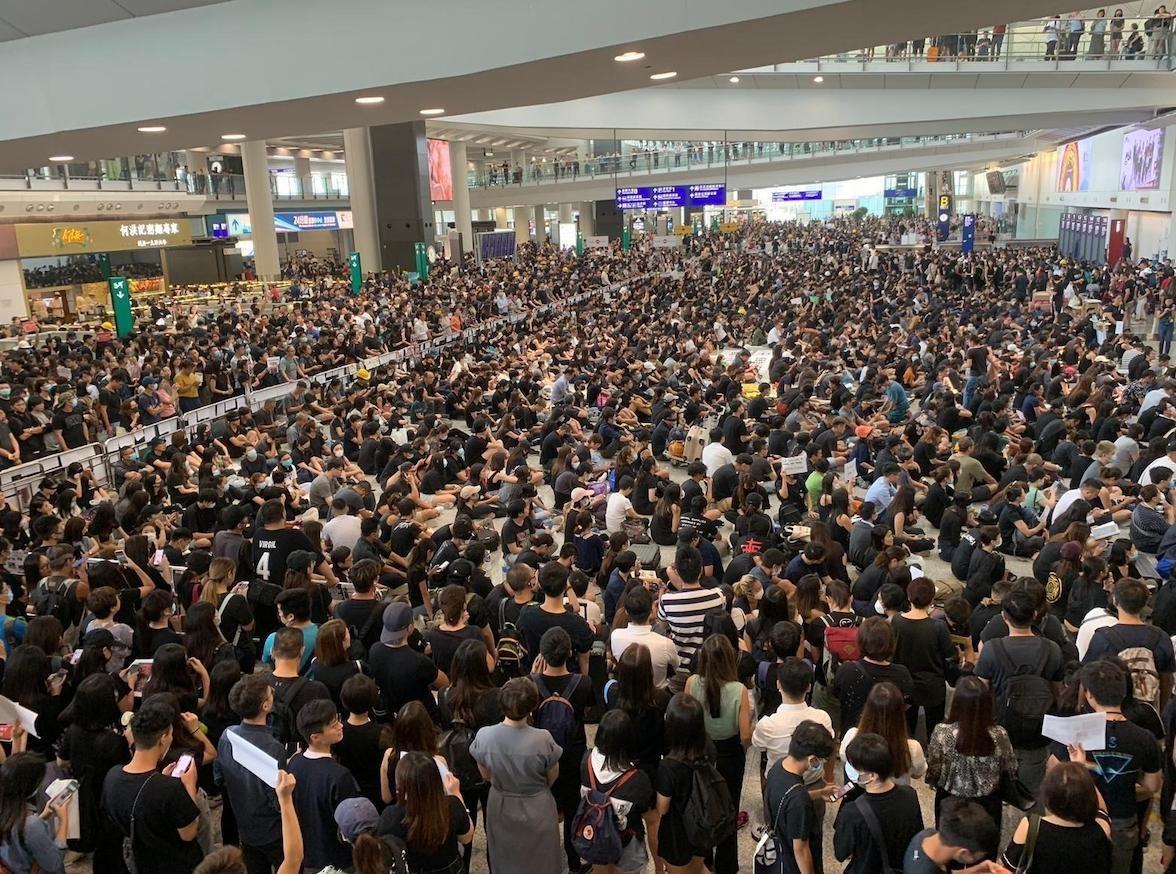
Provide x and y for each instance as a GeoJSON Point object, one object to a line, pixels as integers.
{"type": "Point", "coordinates": [1026, 699]}
{"type": "Point", "coordinates": [708, 815]}
{"type": "Point", "coordinates": [282, 717]}
{"type": "Point", "coordinates": [49, 598]}
{"type": "Point", "coordinates": [455, 747]}
{"type": "Point", "coordinates": [511, 651]}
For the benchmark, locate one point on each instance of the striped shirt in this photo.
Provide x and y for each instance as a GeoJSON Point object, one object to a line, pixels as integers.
{"type": "Point", "coordinates": [684, 612]}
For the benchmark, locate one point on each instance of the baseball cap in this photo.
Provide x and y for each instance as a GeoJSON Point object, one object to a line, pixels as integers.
{"type": "Point", "coordinates": [468, 492]}
{"type": "Point", "coordinates": [1071, 550]}
{"type": "Point", "coordinates": [354, 817]}
{"type": "Point", "coordinates": [300, 560]}
{"type": "Point", "coordinates": [580, 494]}
{"type": "Point", "coordinates": [397, 621]}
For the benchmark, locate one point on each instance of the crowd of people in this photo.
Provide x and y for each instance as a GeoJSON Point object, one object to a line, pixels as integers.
{"type": "Point", "coordinates": [571, 574]}
{"type": "Point", "coordinates": [82, 269]}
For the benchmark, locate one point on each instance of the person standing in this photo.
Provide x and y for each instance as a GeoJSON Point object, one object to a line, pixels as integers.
{"type": "Point", "coordinates": [521, 763]}
{"type": "Point", "coordinates": [322, 784]}
{"type": "Point", "coordinates": [790, 809]}
{"type": "Point", "coordinates": [685, 607]}
{"type": "Point", "coordinates": [923, 645]}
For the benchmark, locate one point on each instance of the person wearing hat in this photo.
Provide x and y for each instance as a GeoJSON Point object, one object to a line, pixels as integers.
{"type": "Point", "coordinates": [69, 423]}
{"type": "Point", "coordinates": [402, 673]}
{"type": "Point", "coordinates": [358, 822]}
{"type": "Point", "coordinates": [148, 401]}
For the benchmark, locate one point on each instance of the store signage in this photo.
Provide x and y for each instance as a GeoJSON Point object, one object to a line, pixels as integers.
{"type": "Point", "coordinates": [239, 223]}
{"type": "Point", "coordinates": [943, 217]}
{"type": "Point", "coordinates": [35, 240]}
{"type": "Point", "coordinates": [968, 239]}
{"type": "Point", "coordinates": [786, 196]}
{"type": "Point", "coordinates": [901, 193]}
{"type": "Point", "coordinates": [218, 226]}
{"type": "Point", "coordinates": [670, 196]}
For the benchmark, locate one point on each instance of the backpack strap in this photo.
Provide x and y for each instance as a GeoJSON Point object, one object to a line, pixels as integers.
{"type": "Point", "coordinates": [1030, 844]}
{"type": "Point", "coordinates": [220, 616]}
{"type": "Point", "coordinates": [875, 827]}
{"type": "Point", "coordinates": [285, 696]}
{"type": "Point", "coordinates": [377, 610]}
{"type": "Point", "coordinates": [135, 804]}
{"type": "Point", "coordinates": [544, 691]}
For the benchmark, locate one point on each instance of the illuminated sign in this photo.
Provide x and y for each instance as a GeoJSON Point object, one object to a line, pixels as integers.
{"type": "Point", "coordinates": [35, 240]}
{"type": "Point", "coordinates": [669, 196]}
{"type": "Point", "coordinates": [785, 196]}
{"type": "Point", "coordinates": [71, 236]}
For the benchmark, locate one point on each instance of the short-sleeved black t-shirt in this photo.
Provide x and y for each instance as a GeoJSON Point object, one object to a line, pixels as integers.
{"type": "Point", "coordinates": [403, 675]}
{"type": "Point", "coordinates": [534, 621]}
{"type": "Point", "coordinates": [853, 683]}
{"type": "Point", "coordinates": [163, 808]}
{"type": "Point", "coordinates": [1130, 751]}
{"type": "Point", "coordinates": [449, 853]}
{"type": "Point", "coordinates": [443, 644]}
{"type": "Point", "coordinates": [272, 548]}
{"type": "Point", "coordinates": [792, 814]}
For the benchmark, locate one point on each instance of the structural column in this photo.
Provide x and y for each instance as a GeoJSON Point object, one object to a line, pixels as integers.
{"type": "Point", "coordinates": [540, 223]}
{"type": "Point", "coordinates": [400, 185]}
{"type": "Point", "coordinates": [302, 171]}
{"type": "Point", "coordinates": [565, 213]}
{"type": "Point", "coordinates": [500, 218]}
{"type": "Point", "coordinates": [522, 223]}
{"type": "Point", "coordinates": [459, 170]}
{"type": "Point", "coordinates": [587, 219]}
{"type": "Point", "coordinates": [357, 154]}
{"type": "Point", "coordinates": [261, 210]}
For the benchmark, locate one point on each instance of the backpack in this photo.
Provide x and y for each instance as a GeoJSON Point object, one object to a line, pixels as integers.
{"type": "Point", "coordinates": [455, 747]}
{"type": "Point", "coordinates": [49, 598]}
{"type": "Point", "coordinates": [1027, 697]}
{"type": "Point", "coordinates": [555, 712]}
{"type": "Point", "coordinates": [511, 652]}
{"type": "Point", "coordinates": [395, 854]}
{"type": "Point", "coordinates": [282, 716]}
{"type": "Point", "coordinates": [596, 834]}
{"type": "Point", "coordinates": [359, 635]}
{"type": "Point", "coordinates": [841, 645]}
{"type": "Point", "coordinates": [708, 815]}
{"type": "Point", "coordinates": [1141, 661]}
{"type": "Point", "coordinates": [769, 858]}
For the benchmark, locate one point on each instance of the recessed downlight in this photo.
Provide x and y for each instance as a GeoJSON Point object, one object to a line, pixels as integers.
{"type": "Point", "coordinates": [657, 77]}
{"type": "Point", "coordinates": [152, 129]}
{"type": "Point", "coordinates": [432, 112]}
{"type": "Point", "coordinates": [369, 101]}
{"type": "Point", "coordinates": [61, 158]}
{"type": "Point", "coordinates": [734, 80]}
{"type": "Point", "coordinates": [629, 56]}
{"type": "Point", "coordinates": [818, 79]}
{"type": "Point", "coordinates": [232, 136]}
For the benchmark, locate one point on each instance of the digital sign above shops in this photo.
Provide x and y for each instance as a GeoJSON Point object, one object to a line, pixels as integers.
{"type": "Point", "coordinates": [670, 196]}
{"type": "Point", "coordinates": [238, 224]}
{"type": "Point", "coordinates": [47, 239]}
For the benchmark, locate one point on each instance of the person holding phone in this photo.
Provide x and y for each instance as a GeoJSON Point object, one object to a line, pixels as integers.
{"type": "Point", "coordinates": [31, 839]}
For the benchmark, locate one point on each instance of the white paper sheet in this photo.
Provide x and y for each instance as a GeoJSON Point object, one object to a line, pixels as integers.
{"type": "Point", "coordinates": [794, 464]}
{"type": "Point", "coordinates": [12, 713]}
{"type": "Point", "coordinates": [1105, 530]}
{"type": "Point", "coordinates": [851, 472]}
{"type": "Point", "coordinates": [253, 760]}
{"type": "Point", "coordinates": [1089, 730]}
{"type": "Point", "coordinates": [74, 828]}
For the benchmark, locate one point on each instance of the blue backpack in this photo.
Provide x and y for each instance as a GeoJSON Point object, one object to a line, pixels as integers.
{"type": "Point", "coordinates": [596, 834]}
{"type": "Point", "coordinates": [555, 712]}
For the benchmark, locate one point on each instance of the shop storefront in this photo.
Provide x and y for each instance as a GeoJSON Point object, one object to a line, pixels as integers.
{"type": "Point", "coordinates": [64, 266]}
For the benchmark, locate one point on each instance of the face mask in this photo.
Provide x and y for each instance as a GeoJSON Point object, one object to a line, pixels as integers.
{"type": "Point", "coordinates": [814, 771]}
{"type": "Point", "coordinates": [878, 608]}
{"type": "Point", "coordinates": [863, 782]}
{"type": "Point", "coordinates": [288, 464]}
{"type": "Point", "coordinates": [251, 455]}
{"type": "Point", "coordinates": [338, 453]}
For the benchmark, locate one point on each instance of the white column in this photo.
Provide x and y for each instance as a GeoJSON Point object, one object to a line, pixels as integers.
{"type": "Point", "coordinates": [302, 171]}
{"type": "Point", "coordinates": [459, 169]}
{"type": "Point", "coordinates": [587, 219]}
{"type": "Point", "coordinates": [261, 210]}
{"type": "Point", "coordinates": [522, 219]}
{"type": "Point", "coordinates": [357, 153]}
{"type": "Point", "coordinates": [565, 213]}
{"type": "Point", "coordinates": [500, 218]}
{"type": "Point", "coordinates": [12, 294]}
{"type": "Point", "coordinates": [195, 161]}
{"type": "Point", "coordinates": [540, 223]}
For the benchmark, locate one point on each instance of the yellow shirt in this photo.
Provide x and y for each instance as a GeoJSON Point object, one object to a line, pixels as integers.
{"type": "Point", "coordinates": [186, 385]}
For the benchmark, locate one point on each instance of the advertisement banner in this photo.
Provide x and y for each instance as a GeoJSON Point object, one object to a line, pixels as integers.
{"type": "Point", "coordinates": [1074, 166]}
{"type": "Point", "coordinates": [1143, 155]}
{"type": "Point", "coordinates": [787, 196]}
{"type": "Point", "coordinates": [238, 224]}
{"type": "Point", "coordinates": [440, 172]}
{"type": "Point", "coordinates": [968, 240]}
{"type": "Point", "coordinates": [598, 241]}
{"type": "Point", "coordinates": [71, 238]}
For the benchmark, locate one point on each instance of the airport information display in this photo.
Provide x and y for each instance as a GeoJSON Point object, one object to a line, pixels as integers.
{"type": "Point", "coordinates": [667, 196]}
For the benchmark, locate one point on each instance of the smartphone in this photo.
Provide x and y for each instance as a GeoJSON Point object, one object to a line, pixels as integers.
{"type": "Point", "coordinates": [842, 791]}
{"type": "Point", "coordinates": [66, 793]}
{"type": "Point", "coordinates": [6, 731]}
{"type": "Point", "coordinates": [58, 678]}
{"type": "Point", "coordinates": [185, 762]}
{"type": "Point", "coordinates": [157, 558]}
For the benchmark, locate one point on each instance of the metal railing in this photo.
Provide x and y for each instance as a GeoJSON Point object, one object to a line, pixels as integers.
{"type": "Point", "coordinates": [706, 155]}
{"type": "Point", "coordinates": [1098, 43]}
{"type": "Point", "coordinates": [220, 186]}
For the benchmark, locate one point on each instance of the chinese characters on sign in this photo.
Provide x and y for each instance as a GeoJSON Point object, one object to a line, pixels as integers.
{"type": "Point", "coordinates": [668, 196]}
{"type": "Point", "coordinates": [150, 229]}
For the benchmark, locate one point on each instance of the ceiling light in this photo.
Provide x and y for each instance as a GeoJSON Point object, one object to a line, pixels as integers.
{"type": "Point", "coordinates": [629, 56]}
{"type": "Point", "coordinates": [61, 158]}
{"type": "Point", "coordinates": [232, 136]}
{"type": "Point", "coordinates": [369, 101]}
{"type": "Point", "coordinates": [657, 77]}
{"type": "Point", "coordinates": [152, 129]}
{"type": "Point", "coordinates": [818, 79]}
{"type": "Point", "coordinates": [734, 80]}
{"type": "Point", "coordinates": [432, 112]}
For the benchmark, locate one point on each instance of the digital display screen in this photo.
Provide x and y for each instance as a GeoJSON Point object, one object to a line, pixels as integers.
{"type": "Point", "coordinates": [786, 196]}
{"type": "Point", "coordinates": [440, 175]}
{"type": "Point", "coordinates": [668, 196]}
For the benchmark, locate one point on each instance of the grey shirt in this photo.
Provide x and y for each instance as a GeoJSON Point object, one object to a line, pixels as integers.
{"type": "Point", "coordinates": [322, 489]}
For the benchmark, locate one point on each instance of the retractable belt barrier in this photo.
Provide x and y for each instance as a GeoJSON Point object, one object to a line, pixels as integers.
{"type": "Point", "coordinates": [18, 483]}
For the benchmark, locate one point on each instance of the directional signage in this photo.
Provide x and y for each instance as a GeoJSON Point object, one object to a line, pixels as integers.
{"type": "Point", "coordinates": [785, 196]}
{"type": "Point", "coordinates": [120, 299]}
{"type": "Point", "coordinates": [670, 196]}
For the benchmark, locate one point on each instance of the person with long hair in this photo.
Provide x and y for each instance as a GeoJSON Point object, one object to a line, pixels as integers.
{"type": "Point", "coordinates": [667, 514]}
{"type": "Point", "coordinates": [90, 746]}
{"type": "Point", "coordinates": [521, 763]}
{"type": "Point", "coordinates": [610, 767]}
{"type": "Point", "coordinates": [203, 639]}
{"type": "Point", "coordinates": [884, 715]}
{"type": "Point", "coordinates": [969, 754]}
{"type": "Point", "coordinates": [727, 716]}
{"type": "Point", "coordinates": [30, 681]}
{"type": "Point", "coordinates": [332, 664]}
{"type": "Point", "coordinates": [632, 691]}
{"type": "Point", "coordinates": [429, 816]}
{"type": "Point", "coordinates": [1074, 833]}
{"type": "Point", "coordinates": [234, 615]}
{"type": "Point", "coordinates": [453, 629]}
{"type": "Point", "coordinates": [154, 627]}
{"type": "Point", "coordinates": [172, 670]}
{"type": "Point", "coordinates": [30, 839]}
{"type": "Point", "coordinates": [413, 731]}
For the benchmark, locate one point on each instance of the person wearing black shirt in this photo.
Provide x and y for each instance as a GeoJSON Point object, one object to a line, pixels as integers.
{"type": "Point", "coordinates": [402, 673]}
{"type": "Point", "coordinates": [735, 429]}
{"type": "Point", "coordinates": [790, 810]}
{"type": "Point", "coordinates": [853, 680]}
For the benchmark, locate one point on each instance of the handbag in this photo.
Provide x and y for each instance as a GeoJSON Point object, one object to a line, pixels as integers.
{"type": "Point", "coordinates": [1013, 792]}
{"type": "Point", "coordinates": [128, 842]}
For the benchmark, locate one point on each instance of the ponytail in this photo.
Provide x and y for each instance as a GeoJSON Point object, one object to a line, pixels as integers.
{"type": "Point", "coordinates": [367, 855]}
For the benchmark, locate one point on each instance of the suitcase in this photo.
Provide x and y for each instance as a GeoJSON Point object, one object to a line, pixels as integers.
{"type": "Point", "coordinates": [649, 554]}
{"type": "Point", "coordinates": [696, 439]}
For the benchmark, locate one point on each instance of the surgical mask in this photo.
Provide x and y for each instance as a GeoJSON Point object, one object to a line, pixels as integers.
{"type": "Point", "coordinates": [863, 782]}
{"type": "Point", "coordinates": [288, 464]}
{"type": "Point", "coordinates": [814, 771]}
{"type": "Point", "coordinates": [878, 608]}
{"type": "Point", "coordinates": [251, 454]}
{"type": "Point", "coordinates": [338, 453]}
{"type": "Point", "coordinates": [5, 392]}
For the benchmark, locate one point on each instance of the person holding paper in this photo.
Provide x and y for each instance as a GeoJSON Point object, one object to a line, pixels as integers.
{"type": "Point", "coordinates": [252, 800]}
{"type": "Point", "coordinates": [1130, 758]}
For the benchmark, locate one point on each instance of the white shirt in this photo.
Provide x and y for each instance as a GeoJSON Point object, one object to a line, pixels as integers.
{"type": "Point", "coordinates": [1064, 503]}
{"type": "Point", "coordinates": [616, 512]}
{"type": "Point", "coordinates": [342, 530]}
{"type": "Point", "coordinates": [773, 733]}
{"type": "Point", "coordinates": [918, 760]}
{"type": "Point", "coordinates": [1094, 620]}
{"type": "Point", "coordinates": [662, 652]}
{"type": "Point", "coordinates": [590, 611]}
{"type": "Point", "coordinates": [1152, 398]}
{"type": "Point", "coordinates": [1162, 461]}
{"type": "Point", "coordinates": [716, 455]}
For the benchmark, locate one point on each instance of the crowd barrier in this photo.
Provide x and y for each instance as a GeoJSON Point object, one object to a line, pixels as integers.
{"type": "Point", "coordinates": [17, 484]}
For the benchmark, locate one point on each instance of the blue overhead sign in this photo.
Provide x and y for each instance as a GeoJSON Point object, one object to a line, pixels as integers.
{"type": "Point", "coordinates": [669, 196]}
{"type": "Point", "coordinates": [786, 196]}
{"type": "Point", "coordinates": [901, 192]}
